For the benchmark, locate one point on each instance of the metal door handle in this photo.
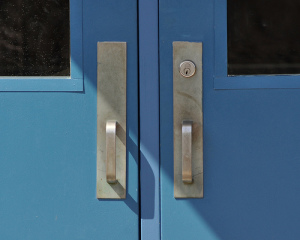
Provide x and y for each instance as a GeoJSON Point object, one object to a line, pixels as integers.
{"type": "Point", "coordinates": [187, 151]}
{"type": "Point", "coordinates": [111, 129]}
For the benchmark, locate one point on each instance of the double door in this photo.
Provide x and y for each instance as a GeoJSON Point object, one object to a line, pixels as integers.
{"type": "Point", "coordinates": [48, 141]}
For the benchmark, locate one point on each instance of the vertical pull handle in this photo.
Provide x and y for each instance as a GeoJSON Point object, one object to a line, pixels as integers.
{"type": "Point", "coordinates": [187, 151]}
{"type": "Point", "coordinates": [111, 128]}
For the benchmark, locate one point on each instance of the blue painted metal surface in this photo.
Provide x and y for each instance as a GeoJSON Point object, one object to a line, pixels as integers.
{"type": "Point", "coordinates": [149, 119]}
{"type": "Point", "coordinates": [251, 152]}
{"type": "Point", "coordinates": [73, 83]}
{"type": "Point", "coordinates": [48, 147]}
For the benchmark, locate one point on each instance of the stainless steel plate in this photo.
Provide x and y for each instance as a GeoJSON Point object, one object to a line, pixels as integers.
{"type": "Point", "coordinates": [111, 106]}
{"type": "Point", "coordinates": [187, 105]}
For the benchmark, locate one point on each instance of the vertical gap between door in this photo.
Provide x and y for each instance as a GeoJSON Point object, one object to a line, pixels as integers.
{"type": "Point", "coordinates": [149, 119]}
{"type": "Point", "coordinates": [139, 138]}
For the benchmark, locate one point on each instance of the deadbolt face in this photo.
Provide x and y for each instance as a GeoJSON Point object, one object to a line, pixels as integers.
{"type": "Point", "coordinates": [187, 69]}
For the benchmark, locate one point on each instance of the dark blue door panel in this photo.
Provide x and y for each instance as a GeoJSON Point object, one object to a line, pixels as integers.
{"type": "Point", "coordinates": [48, 147]}
{"type": "Point", "coordinates": [251, 152]}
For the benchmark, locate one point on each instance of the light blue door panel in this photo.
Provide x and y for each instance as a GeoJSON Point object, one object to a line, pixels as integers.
{"type": "Point", "coordinates": [48, 147]}
{"type": "Point", "coordinates": [251, 138]}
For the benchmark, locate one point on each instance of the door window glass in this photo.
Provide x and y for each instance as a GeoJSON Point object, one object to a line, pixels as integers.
{"type": "Point", "coordinates": [34, 38]}
{"type": "Point", "coordinates": [263, 37]}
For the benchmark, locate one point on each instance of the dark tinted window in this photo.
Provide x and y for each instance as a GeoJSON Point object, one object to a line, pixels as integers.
{"type": "Point", "coordinates": [263, 37]}
{"type": "Point", "coordinates": [34, 38]}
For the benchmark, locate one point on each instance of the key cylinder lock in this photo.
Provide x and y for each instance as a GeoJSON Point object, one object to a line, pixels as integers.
{"type": "Point", "coordinates": [187, 69]}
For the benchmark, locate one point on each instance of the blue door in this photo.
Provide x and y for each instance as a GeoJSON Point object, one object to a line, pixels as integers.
{"type": "Point", "coordinates": [251, 115]}
{"type": "Point", "coordinates": [48, 123]}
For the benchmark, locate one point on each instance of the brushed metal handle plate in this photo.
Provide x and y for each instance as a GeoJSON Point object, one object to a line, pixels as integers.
{"type": "Point", "coordinates": [187, 105]}
{"type": "Point", "coordinates": [111, 120]}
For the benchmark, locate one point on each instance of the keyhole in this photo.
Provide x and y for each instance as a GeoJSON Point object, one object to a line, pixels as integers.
{"type": "Point", "coordinates": [187, 71]}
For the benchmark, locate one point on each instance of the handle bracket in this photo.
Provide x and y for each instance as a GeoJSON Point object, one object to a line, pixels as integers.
{"type": "Point", "coordinates": [187, 175]}
{"type": "Point", "coordinates": [111, 129]}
